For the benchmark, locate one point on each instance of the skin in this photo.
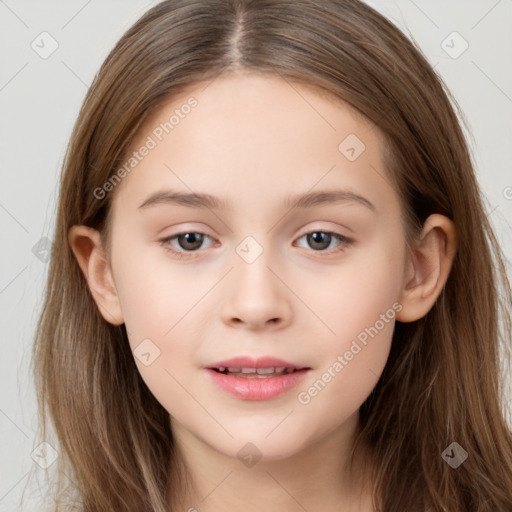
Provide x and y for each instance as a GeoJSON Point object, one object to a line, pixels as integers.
{"type": "Point", "coordinates": [253, 140]}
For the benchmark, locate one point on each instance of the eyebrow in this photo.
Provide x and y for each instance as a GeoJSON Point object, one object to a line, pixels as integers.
{"type": "Point", "coordinates": [301, 201]}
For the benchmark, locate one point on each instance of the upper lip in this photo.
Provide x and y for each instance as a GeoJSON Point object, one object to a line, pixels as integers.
{"type": "Point", "coordinates": [251, 362]}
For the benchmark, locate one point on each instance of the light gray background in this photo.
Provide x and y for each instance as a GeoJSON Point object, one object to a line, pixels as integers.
{"type": "Point", "coordinates": [39, 102]}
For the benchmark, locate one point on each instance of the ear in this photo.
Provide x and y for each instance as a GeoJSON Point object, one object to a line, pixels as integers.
{"type": "Point", "coordinates": [87, 247]}
{"type": "Point", "coordinates": [427, 268]}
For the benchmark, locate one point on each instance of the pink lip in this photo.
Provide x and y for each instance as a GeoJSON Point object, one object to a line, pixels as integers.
{"type": "Point", "coordinates": [256, 388]}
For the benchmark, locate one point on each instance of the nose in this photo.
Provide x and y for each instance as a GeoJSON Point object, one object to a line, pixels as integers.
{"type": "Point", "coordinates": [257, 296]}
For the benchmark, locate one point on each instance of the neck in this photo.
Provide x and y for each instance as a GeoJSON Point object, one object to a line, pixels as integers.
{"type": "Point", "coordinates": [319, 477]}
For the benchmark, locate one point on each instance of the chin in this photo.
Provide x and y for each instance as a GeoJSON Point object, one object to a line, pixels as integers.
{"type": "Point", "coordinates": [254, 445]}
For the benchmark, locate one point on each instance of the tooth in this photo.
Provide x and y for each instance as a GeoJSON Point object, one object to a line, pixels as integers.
{"type": "Point", "coordinates": [260, 373]}
{"type": "Point", "coordinates": [263, 371]}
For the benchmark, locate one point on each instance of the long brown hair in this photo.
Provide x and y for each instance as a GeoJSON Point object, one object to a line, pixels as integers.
{"type": "Point", "coordinates": [442, 382]}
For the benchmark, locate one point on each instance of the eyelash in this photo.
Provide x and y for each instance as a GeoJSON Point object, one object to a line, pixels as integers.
{"type": "Point", "coordinates": [166, 243]}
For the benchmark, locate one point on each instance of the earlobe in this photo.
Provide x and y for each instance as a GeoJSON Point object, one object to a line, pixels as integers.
{"type": "Point", "coordinates": [428, 268]}
{"type": "Point", "coordinates": [87, 247]}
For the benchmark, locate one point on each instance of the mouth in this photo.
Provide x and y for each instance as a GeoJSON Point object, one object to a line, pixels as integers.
{"type": "Point", "coordinates": [256, 368]}
{"type": "Point", "coordinates": [257, 373]}
{"type": "Point", "coordinates": [265, 378]}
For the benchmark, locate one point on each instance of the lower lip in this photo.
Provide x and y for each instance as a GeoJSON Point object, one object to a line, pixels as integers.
{"type": "Point", "coordinates": [255, 388]}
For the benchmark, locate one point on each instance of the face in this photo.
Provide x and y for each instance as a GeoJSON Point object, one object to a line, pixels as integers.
{"type": "Point", "coordinates": [250, 274]}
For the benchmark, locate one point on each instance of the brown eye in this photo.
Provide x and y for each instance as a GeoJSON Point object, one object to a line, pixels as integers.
{"type": "Point", "coordinates": [321, 240]}
{"type": "Point", "coordinates": [190, 241]}
{"type": "Point", "coordinates": [187, 242]}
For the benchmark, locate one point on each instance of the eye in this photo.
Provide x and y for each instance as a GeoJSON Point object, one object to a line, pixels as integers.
{"type": "Point", "coordinates": [190, 241]}
{"type": "Point", "coordinates": [320, 240]}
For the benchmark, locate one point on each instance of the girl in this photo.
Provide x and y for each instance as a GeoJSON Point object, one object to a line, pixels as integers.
{"type": "Point", "coordinates": [273, 283]}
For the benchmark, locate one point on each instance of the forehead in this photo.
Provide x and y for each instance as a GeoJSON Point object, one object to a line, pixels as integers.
{"type": "Point", "coordinates": [253, 137]}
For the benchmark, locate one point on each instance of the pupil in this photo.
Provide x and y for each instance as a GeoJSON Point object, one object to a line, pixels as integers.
{"type": "Point", "coordinates": [316, 238]}
{"type": "Point", "coordinates": [189, 239]}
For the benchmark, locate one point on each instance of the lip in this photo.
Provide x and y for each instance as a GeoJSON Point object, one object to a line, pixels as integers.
{"type": "Point", "coordinates": [257, 388]}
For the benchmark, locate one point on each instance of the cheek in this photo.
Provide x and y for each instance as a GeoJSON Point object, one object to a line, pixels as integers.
{"type": "Point", "coordinates": [155, 297]}
{"type": "Point", "coordinates": [350, 361]}
{"type": "Point", "coordinates": [155, 292]}
{"type": "Point", "coordinates": [359, 306]}
{"type": "Point", "coordinates": [163, 313]}
{"type": "Point", "coordinates": [354, 294]}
